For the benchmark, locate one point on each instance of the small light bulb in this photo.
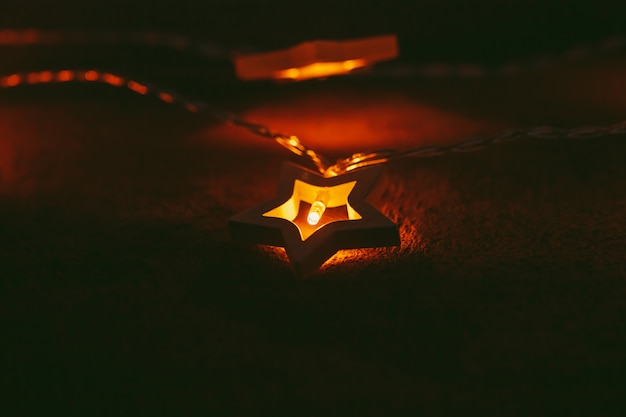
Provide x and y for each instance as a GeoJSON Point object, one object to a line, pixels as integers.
{"type": "Point", "coordinates": [315, 213]}
{"type": "Point", "coordinates": [318, 207]}
{"type": "Point", "coordinates": [293, 141]}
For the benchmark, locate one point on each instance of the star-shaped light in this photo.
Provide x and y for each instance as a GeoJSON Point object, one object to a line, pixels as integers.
{"type": "Point", "coordinates": [313, 216]}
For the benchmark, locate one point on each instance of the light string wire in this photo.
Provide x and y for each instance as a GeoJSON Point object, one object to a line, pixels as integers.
{"type": "Point", "coordinates": [360, 160]}
{"type": "Point", "coordinates": [292, 142]}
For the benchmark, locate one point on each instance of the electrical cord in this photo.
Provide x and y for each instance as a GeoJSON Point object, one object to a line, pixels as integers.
{"type": "Point", "coordinates": [292, 142]}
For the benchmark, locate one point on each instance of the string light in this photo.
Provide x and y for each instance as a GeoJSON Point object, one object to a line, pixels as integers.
{"type": "Point", "coordinates": [348, 220]}
{"type": "Point", "coordinates": [97, 76]}
{"type": "Point", "coordinates": [291, 142]}
{"type": "Point", "coordinates": [315, 214]}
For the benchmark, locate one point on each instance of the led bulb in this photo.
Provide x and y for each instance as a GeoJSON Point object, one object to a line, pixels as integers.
{"type": "Point", "coordinates": [315, 213]}
{"type": "Point", "coordinates": [318, 207]}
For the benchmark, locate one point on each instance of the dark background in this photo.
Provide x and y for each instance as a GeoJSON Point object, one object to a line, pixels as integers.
{"type": "Point", "coordinates": [121, 292]}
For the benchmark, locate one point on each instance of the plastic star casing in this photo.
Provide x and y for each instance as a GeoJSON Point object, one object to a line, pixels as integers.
{"type": "Point", "coordinates": [348, 220]}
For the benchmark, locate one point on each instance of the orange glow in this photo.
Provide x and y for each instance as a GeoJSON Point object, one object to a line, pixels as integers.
{"type": "Point", "coordinates": [320, 69]}
{"type": "Point", "coordinates": [352, 257]}
{"type": "Point", "coordinates": [343, 121]}
{"type": "Point", "coordinates": [8, 37]}
{"type": "Point", "coordinates": [351, 64]}
{"type": "Point", "coordinates": [315, 213]}
{"type": "Point", "coordinates": [317, 59]}
{"type": "Point", "coordinates": [39, 77]}
{"type": "Point", "coordinates": [293, 141]}
{"type": "Point", "coordinates": [15, 37]}
{"type": "Point", "coordinates": [298, 208]}
{"type": "Point", "coordinates": [293, 73]}
{"type": "Point", "coordinates": [65, 75]}
{"type": "Point", "coordinates": [32, 77]}
{"type": "Point", "coordinates": [91, 75]}
{"type": "Point", "coordinates": [112, 79]}
{"type": "Point", "coordinates": [30, 36]}
{"type": "Point", "coordinates": [11, 80]}
{"type": "Point", "coordinates": [137, 88]}
{"type": "Point", "coordinates": [192, 107]}
{"type": "Point", "coordinates": [45, 76]}
{"type": "Point", "coordinates": [318, 207]}
{"type": "Point", "coordinates": [166, 97]}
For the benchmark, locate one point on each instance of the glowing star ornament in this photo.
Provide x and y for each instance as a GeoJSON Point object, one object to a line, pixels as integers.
{"type": "Point", "coordinates": [316, 59]}
{"type": "Point", "coordinates": [313, 216]}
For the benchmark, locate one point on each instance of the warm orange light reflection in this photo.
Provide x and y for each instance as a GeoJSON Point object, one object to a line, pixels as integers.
{"type": "Point", "coordinates": [192, 107]}
{"type": "Point", "coordinates": [65, 75]}
{"type": "Point", "coordinates": [320, 69]}
{"type": "Point", "coordinates": [298, 207]}
{"type": "Point", "coordinates": [112, 79]}
{"type": "Point", "coordinates": [16, 37]}
{"type": "Point", "coordinates": [11, 80]}
{"type": "Point", "coordinates": [137, 88]}
{"type": "Point", "coordinates": [168, 98]}
{"type": "Point", "coordinates": [91, 75]}
{"type": "Point", "coordinates": [8, 37]}
{"type": "Point", "coordinates": [39, 77]}
{"type": "Point", "coordinates": [32, 77]}
{"type": "Point", "coordinates": [316, 59]}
